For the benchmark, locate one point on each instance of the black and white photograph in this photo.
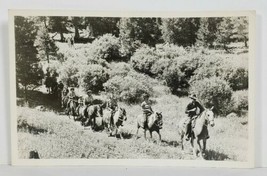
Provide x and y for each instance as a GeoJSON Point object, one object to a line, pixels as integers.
{"type": "Point", "coordinates": [115, 89]}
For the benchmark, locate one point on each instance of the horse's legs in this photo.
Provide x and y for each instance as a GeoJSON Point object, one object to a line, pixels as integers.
{"type": "Point", "coordinates": [192, 145]}
{"type": "Point", "coordinates": [120, 132]}
{"type": "Point", "coordinates": [200, 148]}
{"type": "Point", "coordinates": [182, 141]}
{"type": "Point", "coordinates": [204, 145]}
{"type": "Point", "coordinates": [145, 133]}
{"type": "Point", "coordinates": [159, 136]}
{"type": "Point", "coordinates": [150, 133]}
{"type": "Point", "coordinates": [137, 131]}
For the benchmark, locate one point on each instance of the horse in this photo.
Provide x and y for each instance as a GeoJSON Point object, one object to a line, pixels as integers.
{"type": "Point", "coordinates": [90, 115]}
{"type": "Point", "coordinates": [48, 84]}
{"type": "Point", "coordinates": [118, 118]}
{"type": "Point", "coordinates": [199, 131]}
{"type": "Point", "coordinates": [154, 123]}
{"type": "Point", "coordinates": [71, 109]}
{"type": "Point", "coordinates": [107, 113]}
{"type": "Point", "coordinates": [64, 98]}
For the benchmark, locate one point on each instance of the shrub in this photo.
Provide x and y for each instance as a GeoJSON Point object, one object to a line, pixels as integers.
{"type": "Point", "coordinates": [129, 88]}
{"type": "Point", "coordinates": [236, 76]}
{"type": "Point", "coordinates": [174, 77]}
{"type": "Point", "coordinates": [169, 51]}
{"type": "Point", "coordinates": [215, 92]}
{"type": "Point", "coordinates": [106, 47]}
{"type": "Point", "coordinates": [239, 102]}
{"type": "Point", "coordinates": [93, 77]}
{"type": "Point", "coordinates": [143, 59]}
{"type": "Point", "coordinates": [121, 69]}
{"type": "Point", "coordinates": [69, 72]}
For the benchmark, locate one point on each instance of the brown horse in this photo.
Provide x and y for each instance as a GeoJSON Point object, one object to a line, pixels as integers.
{"type": "Point", "coordinates": [154, 123]}
{"type": "Point", "coordinates": [199, 131]}
{"type": "Point", "coordinates": [90, 115]}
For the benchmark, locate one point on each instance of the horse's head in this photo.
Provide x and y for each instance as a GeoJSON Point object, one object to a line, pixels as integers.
{"type": "Point", "coordinates": [210, 116]}
{"type": "Point", "coordinates": [158, 119]}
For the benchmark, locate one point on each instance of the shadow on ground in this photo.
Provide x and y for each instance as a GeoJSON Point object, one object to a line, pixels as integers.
{"type": "Point", "coordinates": [170, 143]}
{"type": "Point", "coordinates": [213, 155]}
{"type": "Point", "coordinates": [37, 98]}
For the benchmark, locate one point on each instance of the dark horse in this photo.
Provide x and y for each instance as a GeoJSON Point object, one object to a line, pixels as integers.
{"type": "Point", "coordinates": [200, 131]}
{"type": "Point", "coordinates": [90, 115]}
{"type": "Point", "coordinates": [154, 123]}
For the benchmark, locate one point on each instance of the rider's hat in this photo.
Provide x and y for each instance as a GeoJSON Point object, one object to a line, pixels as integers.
{"type": "Point", "coordinates": [193, 96]}
{"type": "Point", "coordinates": [88, 91]}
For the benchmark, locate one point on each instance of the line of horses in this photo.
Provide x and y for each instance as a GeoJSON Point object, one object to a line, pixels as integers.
{"type": "Point", "coordinates": [99, 117]}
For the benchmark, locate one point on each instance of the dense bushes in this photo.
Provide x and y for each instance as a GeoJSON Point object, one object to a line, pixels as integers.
{"type": "Point", "coordinates": [236, 76]}
{"type": "Point", "coordinates": [106, 47]}
{"type": "Point", "coordinates": [215, 92]}
{"type": "Point", "coordinates": [143, 59]}
{"type": "Point", "coordinates": [239, 102]}
{"type": "Point", "coordinates": [129, 88]}
{"type": "Point", "coordinates": [93, 77]}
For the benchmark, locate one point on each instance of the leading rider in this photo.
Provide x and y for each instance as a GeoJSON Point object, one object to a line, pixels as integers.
{"type": "Point", "coordinates": [192, 113]}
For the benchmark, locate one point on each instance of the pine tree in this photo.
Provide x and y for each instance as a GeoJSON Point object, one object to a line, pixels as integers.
{"type": "Point", "coordinates": [180, 31]}
{"type": "Point", "coordinates": [226, 32]}
{"type": "Point", "coordinates": [58, 24]}
{"type": "Point", "coordinates": [45, 45]}
{"type": "Point", "coordinates": [203, 33]}
{"type": "Point", "coordinates": [28, 71]}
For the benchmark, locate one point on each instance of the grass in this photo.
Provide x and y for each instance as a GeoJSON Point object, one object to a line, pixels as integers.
{"type": "Point", "coordinates": [56, 136]}
{"type": "Point", "coordinates": [63, 138]}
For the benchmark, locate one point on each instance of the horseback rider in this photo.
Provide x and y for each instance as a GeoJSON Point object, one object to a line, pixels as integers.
{"type": "Point", "coordinates": [71, 95]}
{"type": "Point", "coordinates": [60, 86]}
{"type": "Point", "coordinates": [146, 107]}
{"type": "Point", "coordinates": [112, 104]}
{"type": "Point", "coordinates": [192, 112]}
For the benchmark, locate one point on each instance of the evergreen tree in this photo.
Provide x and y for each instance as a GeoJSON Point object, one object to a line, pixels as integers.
{"type": "Point", "coordinates": [58, 24]}
{"type": "Point", "coordinates": [241, 29]}
{"type": "Point", "coordinates": [45, 45]}
{"type": "Point", "coordinates": [203, 33]}
{"type": "Point", "coordinates": [134, 31]}
{"type": "Point", "coordinates": [226, 32]}
{"type": "Point", "coordinates": [180, 31]}
{"type": "Point", "coordinates": [98, 26]}
{"type": "Point", "coordinates": [28, 70]}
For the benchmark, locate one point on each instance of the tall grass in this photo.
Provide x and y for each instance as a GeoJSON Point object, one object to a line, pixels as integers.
{"type": "Point", "coordinates": [55, 136]}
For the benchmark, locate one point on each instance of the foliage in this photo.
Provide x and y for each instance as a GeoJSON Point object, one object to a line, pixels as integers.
{"type": "Point", "coordinates": [137, 31]}
{"type": "Point", "coordinates": [212, 65]}
{"type": "Point", "coordinates": [98, 26]}
{"type": "Point", "coordinates": [207, 32]}
{"type": "Point", "coordinates": [129, 88]}
{"type": "Point", "coordinates": [239, 102]}
{"type": "Point", "coordinates": [180, 31]}
{"type": "Point", "coordinates": [93, 77]}
{"type": "Point", "coordinates": [45, 45]}
{"type": "Point", "coordinates": [28, 69]}
{"type": "Point", "coordinates": [119, 69]}
{"type": "Point", "coordinates": [143, 60]}
{"type": "Point", "coordinates": [58, 24]}
{"type": "Point", "coordinates": [105, 47]}
{"type": "Point", "coordinates": [215, 92]}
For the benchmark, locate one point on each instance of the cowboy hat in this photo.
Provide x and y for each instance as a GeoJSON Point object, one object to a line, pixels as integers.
{"type": "Point", "coordinates": [194, 97]}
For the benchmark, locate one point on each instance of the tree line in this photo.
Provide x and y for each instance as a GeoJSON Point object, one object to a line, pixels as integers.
{"type": "Point", "coordinates": [35, 36]}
